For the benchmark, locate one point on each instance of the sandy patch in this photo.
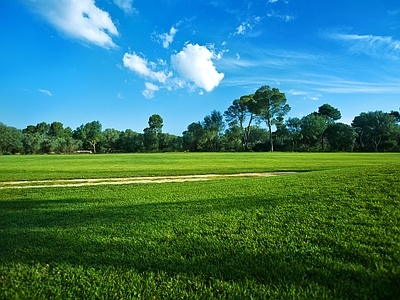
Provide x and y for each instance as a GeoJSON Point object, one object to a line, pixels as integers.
{"type": "Point", "coordinates": [128, 180]}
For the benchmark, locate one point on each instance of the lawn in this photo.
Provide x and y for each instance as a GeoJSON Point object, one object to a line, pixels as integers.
{"type": "Point", "coordinates": [36, 167]}
{"type": "Point", "coordinates": [330, 231]}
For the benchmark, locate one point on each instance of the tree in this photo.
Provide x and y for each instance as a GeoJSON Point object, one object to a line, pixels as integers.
{"type": "Point", "coordinates": [109, 140]}
{"type": "Point", "coordinates": [130, 141]}
{"type": "Point", "coordinates": [90, 134]}
{"type": "Point", "coordinates": [341, 137]}
{"type": "Point", "coordinates": [396, 115]}
{"type": "Point", "coordinates": [152, 133]}
{"type": "Point", "coordinates": [43, 129]}
{"type": "Point", "coordinates": [329, 112]}
{"type": "Point", "coordinates": [268, 105]}
{"type": "Point", "coordinates": [281, 134]}
{"type": "Point", "coordinates": [233, 139]}
{"type": "Point", "coordinates": [293, 126]}
{"type": "Point", "coordinates": [32, 142]}
{"type": "Point", "coordinates": [257, 138]}
{"type": "Point", "coordinates": [56, 129]}
{"type": "Point", "coordinates": [169, 142]}
{"type": "Point", "coordinates": [375, 129]}
{"type": "Point", "coordinates": [239, 115]}
{"type": "Point", "coordinates": [156, 123]}
{"type": "Point", "coordinates": [10, 140]}
{"type": "Point", "coordinates": [191, 138]}
{"type": "Point", "coordinates": [213, 126]}
{"type": "Point", "coordinates": [312, 129]}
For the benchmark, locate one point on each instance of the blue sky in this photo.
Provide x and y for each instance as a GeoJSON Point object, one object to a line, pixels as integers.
{"type": "Point", "coordinates": [120, 61]}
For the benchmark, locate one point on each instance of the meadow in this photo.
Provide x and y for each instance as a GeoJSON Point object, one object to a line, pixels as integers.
{"type": "Point", "coordinates": [330, 230]}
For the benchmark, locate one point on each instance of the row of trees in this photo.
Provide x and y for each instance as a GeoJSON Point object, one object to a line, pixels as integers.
{"type": "Point", "coordinates": [251, 123]}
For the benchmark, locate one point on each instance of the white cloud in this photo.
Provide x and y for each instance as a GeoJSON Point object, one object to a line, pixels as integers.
{"type": "Point", "coordinates": [194, 62]}
{"type": "Point", "coordinates": [140, 66]}
{"type": "Point", "coordinates": [282, 17]}
{"type": "Point", "coordinates": [167, 38]}
{"type": "Point", "coordinates": [313, 97]}
{"type": "Point", "coordinates": [125, 5]}
{"type": "Point", "coordinates": [150, 89]}
{"type": "Point", "coordinates": [45, 92]}
{"type": "Point", "coordinates": [296, 92]}
{"type": "Point", "coordinates": [248, 26]}
{"type": "Point", "coordinates": [81, 19]}
{"type": "Point", "coordinates": [242, 28]}
{"type": "Point", "coordinates": [276, 1]}
{"type": "Point", "coordinates": [370, 44]}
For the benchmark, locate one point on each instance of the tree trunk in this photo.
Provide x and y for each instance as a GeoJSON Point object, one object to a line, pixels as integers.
{"type": "Point", "coordinates": [247, 134]}
{"type": "Point", "coordinates": [271, 142]}
{"type": "Point", "coordinates": [93, 144]}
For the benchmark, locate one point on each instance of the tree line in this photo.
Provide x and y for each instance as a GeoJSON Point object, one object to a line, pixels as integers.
{"type": "Point", "coordinates": [253, 122]}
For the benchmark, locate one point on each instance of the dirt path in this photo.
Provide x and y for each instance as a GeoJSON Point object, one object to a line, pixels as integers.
{"type": "Point", "coordinates": [129, 180]}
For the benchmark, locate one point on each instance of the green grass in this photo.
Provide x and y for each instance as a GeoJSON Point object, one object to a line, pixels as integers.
{"type": "Point", "coordinates": [36, 167]}
{"type": "Point", "coordinates": [330, 233]}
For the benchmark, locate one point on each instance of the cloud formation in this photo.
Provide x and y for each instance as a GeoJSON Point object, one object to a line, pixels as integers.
{"type": "Point", "coordinates": [141, 66]}
{"type": "Point", "coordinates": [371, 44]}
{"type": "Point", "coordinates": [125, 5]}
{"type": "Point", "coordinates": [167, 38]}
{"type": "Point", "coordinates": [81, 20]}
{"type": "Point", "coordinates": [195, 63]}
{"type": "Point", "coordinates": [282, 17]}
{"type": "Point", "coordinates": [244, 27]}
{"type": "Point", "coordinates": [45, 92]}
{"type": "Point", "coordinates": [149, 90]}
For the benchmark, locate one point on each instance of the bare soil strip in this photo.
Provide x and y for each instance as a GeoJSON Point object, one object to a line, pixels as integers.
{"type": "Point", "coordinates": [130, 180]}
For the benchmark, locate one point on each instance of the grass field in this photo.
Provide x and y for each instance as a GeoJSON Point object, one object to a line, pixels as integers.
{"type": "Point", "coordinates": [329, 231]}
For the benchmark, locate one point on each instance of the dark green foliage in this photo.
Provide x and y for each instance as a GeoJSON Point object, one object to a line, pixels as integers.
{"type": "Point", "coordinates": [376, 131]}
{"type": "Point", "coordinates": [10, 140]}
{"type": "Point", "coordinates": [151, 134]}
{"type": "Point", "coordinates": [240, 118]}
{"type": "Point", "coordinates": [312, 129]}
{"type": "Point", "coordinates": [213, 127]}
{"type": "Point", "coordinates": [269, 105]}
{"type": "Point", "coordinates": [329, 112]}
{"type": "Point", "coordinates": [192, 137]}
{"type": "Point", "coordinates": [341, 137]}
{"type": "Point", "coordinates": [90, 134]}
{"type": "Point", "coordinates": [130, 141]}
{"type": "Point", "coordinates": [294, 134]}
{"type": "Point", "coordinates": [109, 140]}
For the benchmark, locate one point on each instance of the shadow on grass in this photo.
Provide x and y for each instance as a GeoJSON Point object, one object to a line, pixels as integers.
{"type": "Point", "coordinates": [188, 237]}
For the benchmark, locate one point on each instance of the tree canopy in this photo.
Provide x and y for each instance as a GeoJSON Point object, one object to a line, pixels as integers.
{"type": "Point", "coordinates": [240, 128]}
{"type": "Point", "coordinates": [269, 104]}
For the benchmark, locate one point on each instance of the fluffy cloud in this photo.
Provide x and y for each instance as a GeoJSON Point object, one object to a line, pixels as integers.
{"type": "Point", "coordinates": [82, 20]}
{"type": "Point", "coordinates": [167, 38]}
{"type": "Point", "coordinates": [241, 29]}
{"type": "Point", "coordinates": [150, 89]}
{"type": "Point", "coordinates": [141, 66]}
{"type": "Point", "coordinates": [194, 63]}
{"type": "Point", "coordinates": [125, 5]}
